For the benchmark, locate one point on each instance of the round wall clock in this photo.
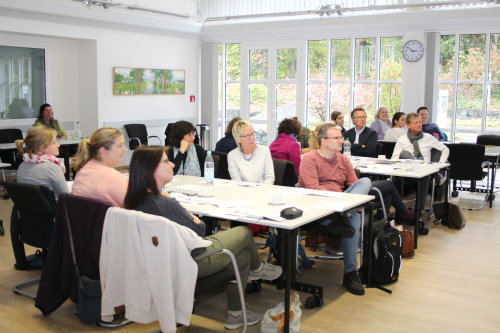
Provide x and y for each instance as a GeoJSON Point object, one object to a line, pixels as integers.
{"type": "Point", "coordinates": [413, 50]}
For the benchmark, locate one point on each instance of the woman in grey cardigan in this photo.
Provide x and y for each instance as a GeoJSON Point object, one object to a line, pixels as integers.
{"type": "Point", "coordinates": [381, 123]}
{"type": "Point", "coordinates": [40, 164]}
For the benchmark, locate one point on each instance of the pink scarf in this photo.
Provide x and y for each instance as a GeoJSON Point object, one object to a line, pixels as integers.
{"type": "Point", "coordinates": [44, 158]}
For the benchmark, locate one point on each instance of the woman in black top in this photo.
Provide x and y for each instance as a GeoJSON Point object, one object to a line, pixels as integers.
{"type": "Point", "coordinates": [187, 156]}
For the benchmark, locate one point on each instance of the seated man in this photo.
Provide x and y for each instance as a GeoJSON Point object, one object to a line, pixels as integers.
{"type": "Point", "coordinates": [418, 145]}
{"type": "Point", "coordinates": [430, 128]}
{"type": "Point", "coordinates": [363, 139]}
{"type": "Point", "coordinates": [327, 169]}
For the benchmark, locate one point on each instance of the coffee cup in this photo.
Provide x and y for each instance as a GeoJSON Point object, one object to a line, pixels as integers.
{"type": "Point", "coordinates": [276, 199]}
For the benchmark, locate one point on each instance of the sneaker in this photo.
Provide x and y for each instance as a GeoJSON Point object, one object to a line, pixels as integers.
{"type": "Point", "coordinates": [266, 271]}
{"type": "Point", "coordinates": [408, 218]}
{"type": "Point", "coordinates": [352, 283]}
{"type": "Point", "coordinates": [234, 322]}
{"type": "Point", "coordinates": [341, 226]}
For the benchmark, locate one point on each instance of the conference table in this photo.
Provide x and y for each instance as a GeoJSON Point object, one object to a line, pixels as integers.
{"type": "Point", "coordinates": [64, 151]}
{"type": "Point", "coordinates": [409, 169]}
{"type": "Point", "coordinates": [255, 203]}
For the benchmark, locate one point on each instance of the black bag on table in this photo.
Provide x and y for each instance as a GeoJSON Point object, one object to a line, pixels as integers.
{"type": "Point", "coordinates": [386, 256]}
{"type": "Point", "coordinates": [455, 219]}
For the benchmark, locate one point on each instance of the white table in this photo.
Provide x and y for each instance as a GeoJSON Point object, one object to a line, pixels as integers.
{"type": "Point", "coordinates": [257, 197]}
{"type": "Point", "coordinates": [417, 170]}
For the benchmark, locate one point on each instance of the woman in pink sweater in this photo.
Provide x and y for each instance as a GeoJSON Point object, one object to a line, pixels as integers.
{"type": "Point", "coordinates": [286, 147]}
{"type": "Point", "coordinates": [95, 162]}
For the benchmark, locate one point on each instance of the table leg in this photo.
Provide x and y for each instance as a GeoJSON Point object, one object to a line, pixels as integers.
{"type": "Point", "coordinates": [288, 278]}
{"type": "Point", "coordinates": [493, 175]}
{"type": "Point", "coordinates": [418, 204]}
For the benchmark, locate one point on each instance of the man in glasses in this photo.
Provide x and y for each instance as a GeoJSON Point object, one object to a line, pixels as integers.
{"type": "Point", "coordinates": [363, 139]}
{"type": "Point", "coordinates": [328, 169]}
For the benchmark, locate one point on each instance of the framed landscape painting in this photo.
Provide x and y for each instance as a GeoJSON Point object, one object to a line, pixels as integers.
{"type": "Point", "coordinates": [176, 81]}
{"type": "Point", "coordinates": [152, 81]}
{"type": "Point", "coordinates": [125, 81]}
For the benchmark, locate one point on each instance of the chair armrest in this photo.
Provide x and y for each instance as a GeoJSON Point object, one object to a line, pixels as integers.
{"type": "Point", "coordinates": [138, 141]}
{"type": "Point", "coordinates": [155, 136]}
{"type": "Point", "coordinates": [207, 254]}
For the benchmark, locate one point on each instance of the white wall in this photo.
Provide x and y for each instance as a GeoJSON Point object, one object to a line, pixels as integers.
{"type": "Point", "coordinates": [80, 61]}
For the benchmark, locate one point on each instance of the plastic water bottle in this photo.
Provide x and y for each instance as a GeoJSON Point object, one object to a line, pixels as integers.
{"type": "Point", "coordinates": [78, 131]}
{"type": "Point", "coordinates": [209, 171]}
{"type": "Point", "coordinates": [347, 147]}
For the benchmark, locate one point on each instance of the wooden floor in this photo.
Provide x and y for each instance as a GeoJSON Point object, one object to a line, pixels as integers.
{"type": "Point", "coordinates": [451, 285]}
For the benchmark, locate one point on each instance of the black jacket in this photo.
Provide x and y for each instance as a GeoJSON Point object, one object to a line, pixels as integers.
{"type": "Point", "coordinates": [226, 144]}
{"type": "Point", "coordinates": [368, 138]}
{"type": "Point", "coordinates": [181, 158]}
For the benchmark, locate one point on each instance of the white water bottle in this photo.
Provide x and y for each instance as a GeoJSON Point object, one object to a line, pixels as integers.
{"type": "Point", "coordinates": [78, 131]}
{"type": "Point", "coordinates": [209, 171]}
{"type": "Point", "coordinates": [347, 147]}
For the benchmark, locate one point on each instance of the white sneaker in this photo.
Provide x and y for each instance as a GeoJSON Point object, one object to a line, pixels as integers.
{"type": "Point", "coordinates": [233, 322]}
{"type": "Point", "coordinates": [266, 271]}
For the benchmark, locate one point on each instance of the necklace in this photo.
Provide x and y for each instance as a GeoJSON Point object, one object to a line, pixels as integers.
{"type": "Point", "coordinates": [248, 159]}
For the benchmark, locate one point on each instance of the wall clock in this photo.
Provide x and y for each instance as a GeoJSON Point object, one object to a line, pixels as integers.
{"type": "Point", "coordinates": [413, 50]}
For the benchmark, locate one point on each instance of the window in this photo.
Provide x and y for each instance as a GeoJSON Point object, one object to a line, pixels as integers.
{"type": "Point", "coordinates": [232, 81]}
{"type": "Point", "coordinates": [365, 72]}
{"type": "Point", "coordinates": [22, 81]}
{"type": "Point", "coordinates": [468, 87]}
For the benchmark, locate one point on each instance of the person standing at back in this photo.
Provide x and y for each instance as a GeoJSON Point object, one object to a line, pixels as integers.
{"type": "Point", "coordinates": [363, 139]}
{"type": "Point", "coordinates": [429, 127]}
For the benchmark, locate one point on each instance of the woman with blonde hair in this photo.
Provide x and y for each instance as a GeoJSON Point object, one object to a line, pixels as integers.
{"type": "Point", "coordinates": [382, 123]}
{"type": "Point", "coordinates": [40, 165]}
{"type": "Point", "coordinates": [95, 162]}
{"type": "Point", "coordinates": [249, 162]}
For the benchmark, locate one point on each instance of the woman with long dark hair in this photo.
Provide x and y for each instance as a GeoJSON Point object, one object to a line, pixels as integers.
{"type": "Point", "coordinates": [46, 118]}
{"type": "Point", "coordinates": [150, 170]}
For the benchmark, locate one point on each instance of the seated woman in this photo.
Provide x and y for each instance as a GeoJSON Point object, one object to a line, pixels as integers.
{"type": "Point", "coordinates": [286, 147]}
{"type": "Point", "coordinates": [40, 165]}
{"type": "Point", "coordinates": [338, 118]}
{"type": "Point", "coordinates": [381, 123]}
{"type": "Point", "coordinates": [94, 162]}
{"type": "Point", "coordinates": [250, 162]}
{"type": "Point", "coordinates": [150, 170]}
{"type": "Point", "coordinates": [187, 156]}
{"type": "Point", "coordinates": [398, 127]}
{"type": "Point", "coordinates": [46, 119]}
{"type": "Point", "coordinates": [227, 143]}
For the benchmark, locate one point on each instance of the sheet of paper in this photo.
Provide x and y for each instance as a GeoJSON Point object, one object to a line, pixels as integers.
{"type": "Point", "coordinates": [328, 194]}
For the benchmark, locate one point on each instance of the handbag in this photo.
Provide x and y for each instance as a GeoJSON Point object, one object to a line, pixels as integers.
{"type": "Point", "coordinates": [274, 318]}
{"type": "Point", "coordinates": [89, 290]}
{"type": "Point", "coordinates": [407, 237]}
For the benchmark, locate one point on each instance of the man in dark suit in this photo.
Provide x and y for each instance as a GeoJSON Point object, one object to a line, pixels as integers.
{"type": "Point", "coordinates": [363, 139]}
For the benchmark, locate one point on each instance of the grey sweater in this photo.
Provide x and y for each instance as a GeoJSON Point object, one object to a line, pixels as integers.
{"type": "Point", "coordinates": [46, 174]}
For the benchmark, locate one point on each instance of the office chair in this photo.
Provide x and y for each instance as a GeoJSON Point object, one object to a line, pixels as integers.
{"type": "Point", "coordinates": [10, 135]}
{"type": "Point", "coordinates": [284, 173]}
{"type": "Point", "coordinates": [466, 164]}
{"type": "Point", "coordinates": [222, 169]}
{"type": "Point", "coordinates": [488, 140]}
{"type": "Point", "coordinates": [31, 223]}
{"type": "Point", "coordinates": [138, 135]}
{"type": "Point", "coordinates": [387, 148]}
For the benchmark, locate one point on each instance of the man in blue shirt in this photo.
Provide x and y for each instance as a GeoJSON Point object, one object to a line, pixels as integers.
{"type": "Point", "coordinates": [430, 128]}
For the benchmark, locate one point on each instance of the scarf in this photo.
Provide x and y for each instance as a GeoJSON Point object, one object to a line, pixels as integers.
{"type": "Point", "coordinates": [414, 140]}
{"type": "Point", "coordinates": [191, 165]}
{"type": "Point", "coordinates": [44, 158]}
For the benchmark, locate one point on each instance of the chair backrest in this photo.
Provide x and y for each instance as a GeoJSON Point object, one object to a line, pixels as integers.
{"type": "Point", "coordinates": [221, 170]}
{"type": "Point", "coordinates": [33, 213]}
{"type": "Point", "coordinates": [137, 131]}
{"type": "Point", "coordinates": [9, 135]}
{"type": "Point", "coordinates": [387, 148]}
{"type": "Point", "coordinates": [488, 140]}
{"type": "Point", "coordinates": [378, 151]}
{"type": "Point", "coordinates": [284, 173]}
{"type": "Point", "coordinates": [466, 161]}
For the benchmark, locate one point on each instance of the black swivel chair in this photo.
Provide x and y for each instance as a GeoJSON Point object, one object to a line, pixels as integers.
{"type": "Point", "coordinates": [221, 170]}
{"type": "Point", "coordinates": [284, 173]}
{"type": "Point", "coordinates": [387, 148]}
{"type": "Point", "coordinates": [138, 135]}
{"type": "Point", "coordinates": [466, 164]}
{"type": "Point", "coordinates": [10, 135]}
{"type": "Point", "coordinates": [31, 223]}
{"type": "Point", "coordinates": [488, 140]}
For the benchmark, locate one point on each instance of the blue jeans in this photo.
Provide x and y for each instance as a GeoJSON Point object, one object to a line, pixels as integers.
{"type": "Point", "coordinates": [350, 245]}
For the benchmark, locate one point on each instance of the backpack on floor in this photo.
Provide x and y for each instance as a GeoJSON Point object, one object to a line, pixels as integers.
{"type": "Point", "coordinates": [386, 257]}
{"type": "Point", "coordinates": [455, 219]}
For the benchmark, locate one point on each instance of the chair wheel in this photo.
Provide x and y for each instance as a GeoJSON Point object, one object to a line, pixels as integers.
{"type": "Point", "coordinates": [454, 194]}
{"type": "Point", "coordinates": [253, 287]}
{"type": "Point", "coordinates": [314, 301]}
